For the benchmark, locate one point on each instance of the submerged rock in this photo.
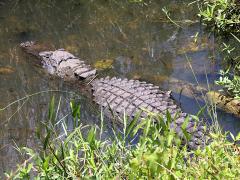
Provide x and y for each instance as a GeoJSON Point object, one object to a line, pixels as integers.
{"type": "Point", "coordinates": [225, 103]}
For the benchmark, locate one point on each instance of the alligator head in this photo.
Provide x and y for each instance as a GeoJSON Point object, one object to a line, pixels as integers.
{"type": "Point", "coordinates": [59, 62]}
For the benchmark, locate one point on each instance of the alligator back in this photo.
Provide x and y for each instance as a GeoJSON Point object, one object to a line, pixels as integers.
{"type": "Point", "coordinates": [121, 96]}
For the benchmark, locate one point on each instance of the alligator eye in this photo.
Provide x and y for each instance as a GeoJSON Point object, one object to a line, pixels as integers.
{"type": "Point", "coordinates": [22, 44]}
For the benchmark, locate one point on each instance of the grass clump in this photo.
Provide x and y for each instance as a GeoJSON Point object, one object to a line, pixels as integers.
{"type": "Point", "coordinates": [146, 150]}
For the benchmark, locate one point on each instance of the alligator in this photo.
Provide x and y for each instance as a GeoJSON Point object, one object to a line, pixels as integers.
{"type": "Point", "coordinates": [118, 96]}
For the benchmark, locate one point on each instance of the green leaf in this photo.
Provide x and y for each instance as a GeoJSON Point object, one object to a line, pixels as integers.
{"type": "Point", "coordinates": [38, 132]}
{"type": "Point", "coordinates": [75, 110]}
{"type": "Point", "coordinates": [51, 110]}
{"type": "Point", "coordinates": [139, 126]}
{"type": "Point", "coordinates": [184, 126]}
{"type": "Point", "coordinates": [29, 151]}
{"type": "Point", "coordinates": [46, 163]}
{"type": "Point", "coordinates": [91, 135]}
{"type": "Point", "coordinates": [237, 138]}
{"type": "Point", "coordinates": [132, 124]}
{"type": "Point", "coordinates": [169, 117]}
{"type": "Point", "coordinates": [200, 112]}
{"type": "Point", "coordinates": [232, 136]}
{"type": "Point", "coordinates": [46, 140]}
{"type": "Point", "coordinates": [169, 139]}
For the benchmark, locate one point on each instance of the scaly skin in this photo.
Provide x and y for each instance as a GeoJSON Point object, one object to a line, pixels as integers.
{"type": "Point", "coordinates": [119, 95]}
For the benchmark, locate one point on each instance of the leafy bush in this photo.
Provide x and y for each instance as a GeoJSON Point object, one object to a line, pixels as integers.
{"type": "Point", "coordinates": [224, 17]}
{"type": "Point", "coordinates": [230, 85]}
{"type": "Point", "coordinates": [221, 15]}
{"type": "Point", "coordinates": [158, 154]}
{"type": "Point", "coordinates": [230, 78]}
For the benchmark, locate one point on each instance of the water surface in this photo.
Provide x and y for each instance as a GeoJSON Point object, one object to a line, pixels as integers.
{"type": "Point", "coordinates": [136, 40]}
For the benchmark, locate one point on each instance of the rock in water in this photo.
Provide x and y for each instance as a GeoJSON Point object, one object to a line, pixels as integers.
{"type": "Point", "coordinates": [223, 102]}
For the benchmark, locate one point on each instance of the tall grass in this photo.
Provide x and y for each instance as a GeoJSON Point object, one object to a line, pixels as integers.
{"type": "Point", "coordinates": [146, 150]}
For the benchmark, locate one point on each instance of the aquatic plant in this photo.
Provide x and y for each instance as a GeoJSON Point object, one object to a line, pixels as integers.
{"type": "Point", "coordinates": [146, 150]}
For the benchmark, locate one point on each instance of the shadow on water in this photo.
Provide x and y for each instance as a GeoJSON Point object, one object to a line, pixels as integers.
{"type": "Point", "coordinates": [136, 41]}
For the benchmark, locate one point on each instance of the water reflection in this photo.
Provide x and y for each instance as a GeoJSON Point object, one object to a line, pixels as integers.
{"type": "Point", "coordinates": [138, 38]}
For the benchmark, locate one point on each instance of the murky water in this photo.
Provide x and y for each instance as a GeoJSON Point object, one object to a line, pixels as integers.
{"type": "Point", "coordinates": [126, 39]}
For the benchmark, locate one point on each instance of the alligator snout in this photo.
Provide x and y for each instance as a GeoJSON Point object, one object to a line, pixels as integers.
{"type": "Point", "coordinates": [27, 44]}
